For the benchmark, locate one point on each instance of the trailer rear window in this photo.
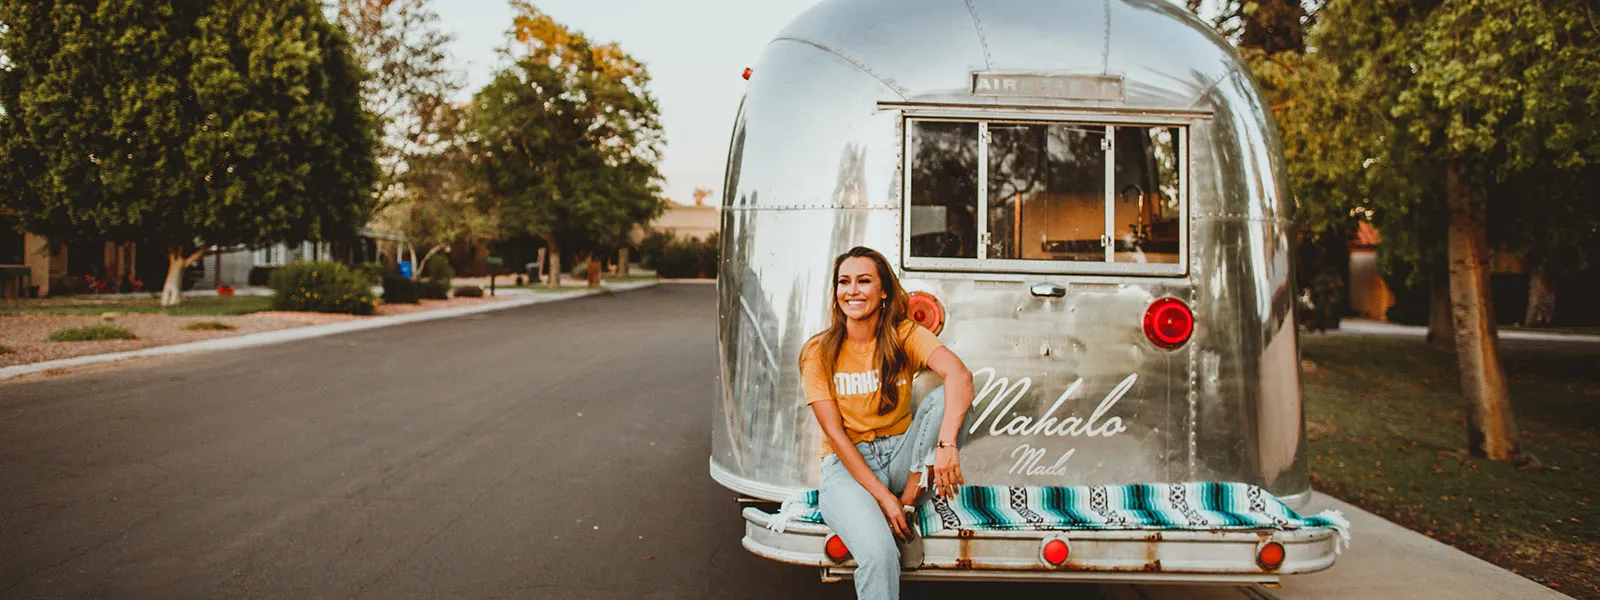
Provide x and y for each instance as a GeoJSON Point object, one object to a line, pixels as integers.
{"type": "Point", "coordinates": [1053, 197]}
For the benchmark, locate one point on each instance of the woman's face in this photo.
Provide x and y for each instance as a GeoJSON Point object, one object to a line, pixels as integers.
{"type": "Point", "coordinates": [858, 290]}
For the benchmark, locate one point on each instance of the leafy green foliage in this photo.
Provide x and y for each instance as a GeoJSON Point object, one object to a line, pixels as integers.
{"type": "Point", "coordinates": [652, 247]}
{"type": "Point", "coordinates": [438, 270]}
{"type": "Point", "coordinates": [433, 290]}
{"type": "Point", "coordinates": [400, 290]}
{"type": "Point", "coordinates": [567, 138]}
{"type": "Point", "coordinates": [689, 257]}
{"type": "Point", "coordinates": [322, 286]}
{"type": "Point", "coordinates": [373, 272]}
{"type": "Point", "coordinates": [93, 333]}
{"type": "Point", "coordinates": [1395, 90]}
{"type": "Point", "coordinates": [181, 124]}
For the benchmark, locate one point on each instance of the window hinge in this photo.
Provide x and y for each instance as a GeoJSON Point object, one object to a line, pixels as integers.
{"type": "Point", "coordinates": [1105, 144]}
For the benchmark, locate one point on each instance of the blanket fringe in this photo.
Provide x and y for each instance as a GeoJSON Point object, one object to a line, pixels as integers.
{"type": "Point", "coordinates": [1341, 525]}
{"type": "Point", "coordinates": [791, 509]}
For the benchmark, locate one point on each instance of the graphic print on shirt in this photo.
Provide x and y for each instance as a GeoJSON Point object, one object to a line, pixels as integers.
{"type": "Point", "coordinates": [851, 384]}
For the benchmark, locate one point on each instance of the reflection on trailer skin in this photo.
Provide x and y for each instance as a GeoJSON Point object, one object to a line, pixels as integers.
{"type": "Point", "coordinates": [1087, 198]}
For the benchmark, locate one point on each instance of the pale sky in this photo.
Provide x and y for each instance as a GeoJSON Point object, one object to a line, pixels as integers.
{"type": "Point", "coordinates": [695, 52]}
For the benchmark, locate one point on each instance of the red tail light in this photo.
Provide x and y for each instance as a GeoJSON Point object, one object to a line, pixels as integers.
{"type": "Point", "coordinates": [1056, 551]}
{"type": "Point", "coordinates": [747, 73]}
{"type": "Point", "coordinates": [1270, 556]}
{"type": "Point", "coordinates": [1168, 323]}
{"type": "Point", "coordinates": [836, 550]}
{"type": "Point", "coordinates": [925, 310]}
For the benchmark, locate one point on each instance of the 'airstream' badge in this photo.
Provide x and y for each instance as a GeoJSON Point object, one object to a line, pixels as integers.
{"type": "Point", "coordinates": [1067, 87]}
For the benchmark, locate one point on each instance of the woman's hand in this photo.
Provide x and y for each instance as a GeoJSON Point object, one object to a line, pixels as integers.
{"type": "Point", "coordinates": [892, 511]}
{"type": "Point", "coordinates": [947, 472]}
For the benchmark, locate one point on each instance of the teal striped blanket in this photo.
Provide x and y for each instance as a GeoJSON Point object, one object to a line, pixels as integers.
{"type": "Point", "coordinates": [1165, 506]}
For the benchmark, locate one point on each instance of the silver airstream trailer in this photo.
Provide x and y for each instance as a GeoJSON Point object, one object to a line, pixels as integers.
{"type": "Point", "coordinates": [1087, 199]}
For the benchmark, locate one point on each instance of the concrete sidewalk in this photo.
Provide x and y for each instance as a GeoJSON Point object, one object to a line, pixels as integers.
{"type": "Point", "coordinates": [1386, 560]}
{"type": "Point", "coordinates": [514, 299]}
{"type": "Point", "coordinates": [1370, 327]}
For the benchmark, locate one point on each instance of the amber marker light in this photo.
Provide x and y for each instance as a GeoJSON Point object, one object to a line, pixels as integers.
{"type": "Point", "coordinates": [925, 310]}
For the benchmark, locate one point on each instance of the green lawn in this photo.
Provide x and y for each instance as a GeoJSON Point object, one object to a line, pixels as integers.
{"type": "Point", "coordinates": [87, 305]}
{"type": "Point", "coordinates": [1386, 429]}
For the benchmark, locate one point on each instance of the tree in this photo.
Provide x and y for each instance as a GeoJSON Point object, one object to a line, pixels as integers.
{"type": "Point", "coordinates": [181, 124]}
{"type": "Point", "coordinates": [567, 139]}
{"type": "Point", "coordinates": [441, 202]}
{"type": "Point", "coordinates": [1457, 106]}
{"type": "Point", "coordinates": [409, 92]}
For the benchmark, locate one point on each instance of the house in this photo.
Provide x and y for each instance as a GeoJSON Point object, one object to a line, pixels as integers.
{"type": "Point", "coordinates": [696, 221]}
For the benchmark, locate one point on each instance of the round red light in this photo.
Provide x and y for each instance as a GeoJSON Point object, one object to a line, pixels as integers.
{"type": "Point", "coordinates": [925, 310]}
{"type": "Point", "coordinates": [836, 550]}
{"type": "Point", "coordinates": [747, 73]}
{"type": "Point", "coordinates": [1168, 323]}
{"type": "Point", "coordinates": [1270, 556]}
{"type": "Point", "coordinates": [1055, 552]}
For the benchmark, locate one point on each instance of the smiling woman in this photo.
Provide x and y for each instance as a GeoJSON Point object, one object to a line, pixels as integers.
{"type": "Point", "coordinates": [877, 450]}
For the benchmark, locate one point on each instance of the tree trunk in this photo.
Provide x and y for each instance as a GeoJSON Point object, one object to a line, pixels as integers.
{"type": "Point", "coordinates": [1491, 428]}
{"type": "Point", "coordinates": [1541, 299]}
{"type": "Point", "coordinates": [172, 292]}
{"type": "Point", "coordinates": [1441, 325]}
{"type": "Point", "coordinates": [554, 281]}
{"type": "Point", "coordinates": [622, 262]}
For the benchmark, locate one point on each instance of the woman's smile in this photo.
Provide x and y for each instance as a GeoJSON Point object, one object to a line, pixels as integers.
{"type": "Point", "coordinates": [858, 291]}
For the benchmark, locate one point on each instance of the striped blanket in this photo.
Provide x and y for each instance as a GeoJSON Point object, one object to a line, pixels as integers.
{"type": "Point", "coordinates": [1165, 506]}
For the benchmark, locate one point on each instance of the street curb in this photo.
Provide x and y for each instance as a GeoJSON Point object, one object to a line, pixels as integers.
{"type": "Point", "coordinates": [1369, 327]}
{"type": "Point", "coordinates": [279, 336]}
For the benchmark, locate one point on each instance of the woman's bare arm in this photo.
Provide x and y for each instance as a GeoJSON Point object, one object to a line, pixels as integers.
{"type": "Point", "coordinates": [958, 394]}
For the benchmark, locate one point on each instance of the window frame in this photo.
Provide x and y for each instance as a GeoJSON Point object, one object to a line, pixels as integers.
{"type": "Point", "coordinates": [984, 264]}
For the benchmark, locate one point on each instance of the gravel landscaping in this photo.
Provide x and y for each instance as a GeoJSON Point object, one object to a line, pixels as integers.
{"type": "Point", "coordinates": [28, 335]}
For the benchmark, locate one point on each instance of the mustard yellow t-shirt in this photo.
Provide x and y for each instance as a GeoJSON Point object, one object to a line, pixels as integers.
{"type": "Point", "coordinates": [855, 384]}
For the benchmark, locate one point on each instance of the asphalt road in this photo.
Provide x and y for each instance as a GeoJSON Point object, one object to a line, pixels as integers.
{"type": "Point", "coordinates": [552, 451]}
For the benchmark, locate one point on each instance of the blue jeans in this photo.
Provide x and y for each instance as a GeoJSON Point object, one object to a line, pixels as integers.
{"type": "Point", "coordinates": [852, 512]}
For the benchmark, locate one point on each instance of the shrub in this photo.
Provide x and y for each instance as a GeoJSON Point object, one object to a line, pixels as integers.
{"type": "Point", "coordinates": [260, 276]}
{"type": "Point", "coordinates": [438, 270]}
{"type": "Point", "coordinates": [652, 247]}
{"type": "Point", "coordinates": [399, 290]}
{"type": "Point", "coordinates": [433, 290]}
{"type": "Point", "coordinates": [373, 272]}
{"type": "Point", "coordinates": [209, 326]}
{"type": "Point", "coordinates": [469, 291]}
{"type": "Point", "coordinates": [102, 331]}
{"type": "Point", "coordinates": [6, 350]}
{"type": "Point", "coordinates": [321, 286]}
{"type": "Point", "coordinates": [710, 255]}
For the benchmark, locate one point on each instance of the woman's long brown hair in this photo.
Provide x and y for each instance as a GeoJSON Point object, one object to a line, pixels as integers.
{"type": "Point", "coordinates": [890, 354]}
